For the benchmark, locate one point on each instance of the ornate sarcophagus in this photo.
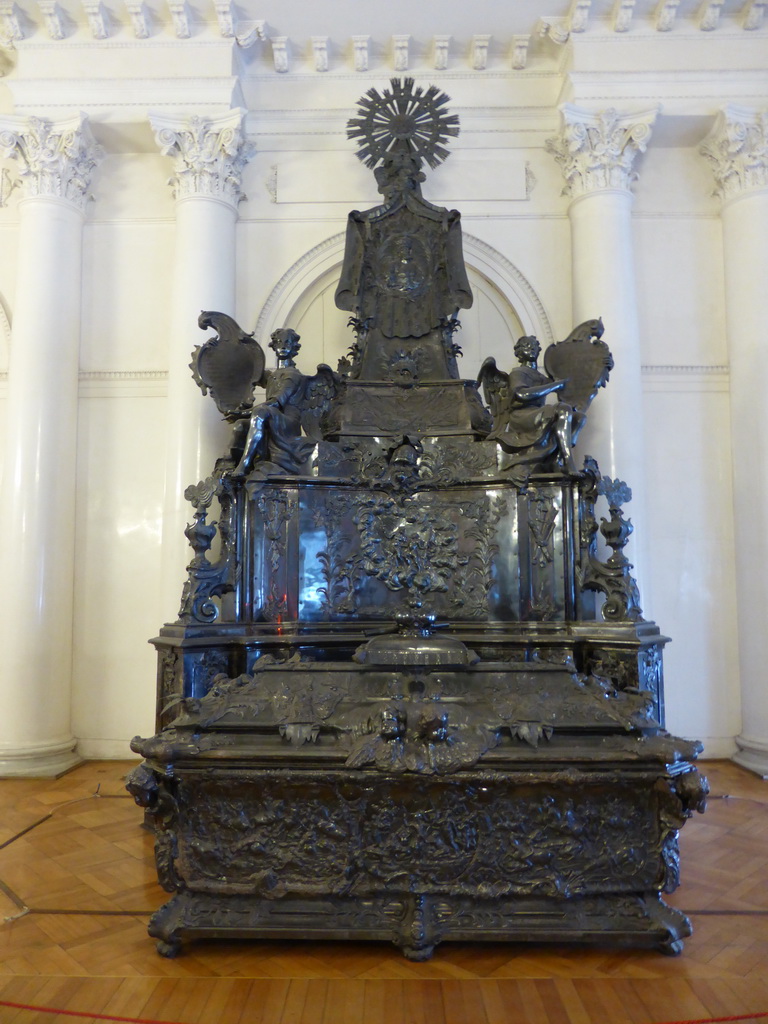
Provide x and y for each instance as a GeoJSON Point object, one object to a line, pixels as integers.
{"type": "Point", "coordinates": [411, 696]}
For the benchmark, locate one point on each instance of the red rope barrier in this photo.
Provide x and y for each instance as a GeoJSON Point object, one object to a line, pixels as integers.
{"type": "Point", "coordinates": [717, 1020]}
{"type": "Point", "coordinates": [81, 1013]}
{"type": "Point", "coordinates": [146, 1020]}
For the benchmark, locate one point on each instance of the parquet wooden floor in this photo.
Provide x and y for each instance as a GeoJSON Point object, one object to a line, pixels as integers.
{"type": "Point", "coordinates": [77, 884]}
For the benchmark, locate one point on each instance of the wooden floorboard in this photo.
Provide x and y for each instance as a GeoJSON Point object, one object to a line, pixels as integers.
{"type": "Point", "coordinates": [77, 885]}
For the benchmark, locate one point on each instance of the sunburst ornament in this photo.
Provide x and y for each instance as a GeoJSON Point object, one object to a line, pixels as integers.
{"type": "Point", "coordinates": [403, 119]}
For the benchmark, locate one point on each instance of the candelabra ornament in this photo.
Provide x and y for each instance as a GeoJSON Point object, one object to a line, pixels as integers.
{"type": "Point", "coordinates": [393, 707]}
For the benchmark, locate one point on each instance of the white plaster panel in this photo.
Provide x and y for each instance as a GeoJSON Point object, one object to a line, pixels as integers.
{"type": "Point", "coordinates": [473, 175]}
{"type": "Point", "coordinates": [117, 550]}
{"type": "Point", "coordinates": [680, 291]}
{"type": "Point", "coordinates": [266, 250]}
{"type": "Point", "coordinates": [541, 250]}
{"type": "Point", "coordinates": [690, 527]}
{"type": "Point", "coordinates": [133, 186]}
{"type": "Point", "coordinates": [126, 288]}
{"type": "Point", "coordinates": [674, 181]}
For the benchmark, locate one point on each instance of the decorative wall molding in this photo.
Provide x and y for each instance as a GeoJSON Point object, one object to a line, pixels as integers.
{"type": "Point", "coordinates": [53, 18]}
{"type": "Point", "coordinates": [702, 379]}
{"type": "Point", "coordinates": [98, 18]}
{"type": "Point", "coordinates": [209, 154]}
{"type": "Point", "coordinates": [13, 29]}
{"type": "Point", "coordinates": [622, 15]}
{"type": "Point", "coordinates": [737, 150]}
{"type": "Point", "coordinates": [752, 14]}
{"type": "Point", "coordinates": [57, 158]}
{"type": "Point", "coordinates": [226, 17]}
{"type": "Point", "coordinates": [400, 52]}
{"type": "Point", "coordinates": [579, 16]}
{"type": "Point", "coordinates": [666, 14]}
{"type": "Point", "coordinates": [360, 47]}
{"type": "Point", "coordinates": [108, 383]}
{"type": "Point", "coordinates": [520, 51]}
{"type": "Point", "coordinates": [480, 52]}
{"type": "Point", "coordinates": [139, 16]}
{"type": "Point", "coordinates": [710, 15]}
{"type": "Point", "coordinates": [123, 384]}
{"type": "Point", "coordinates": [280, 53]}
{"type": "Point", "coordinates": [320, 51]}
{"type": "Point", "coordinates": [441, 44]}
{"type": "Point", "coordinates": [480, 256]}
{"type": "Point", "coordinates": [180, 18]}
{"type": "Point", "coordinates": [597, 151]}
{"type": "Point", "coordinates": [71, 22]}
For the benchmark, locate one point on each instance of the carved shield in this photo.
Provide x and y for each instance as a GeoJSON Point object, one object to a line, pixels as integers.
{"type": "Point", "coordinates": [228, 365]}
{"type": "Point", "coordinates": [584, 363]}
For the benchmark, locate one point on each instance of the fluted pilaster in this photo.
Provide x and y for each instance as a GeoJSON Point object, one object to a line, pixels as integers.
{"type": "Point", "coordinates": [56, 163]}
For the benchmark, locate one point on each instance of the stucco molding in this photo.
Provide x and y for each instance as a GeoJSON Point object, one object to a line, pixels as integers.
{"type": "Point", "coordinates": [209, 154]}
{"type": "Point", "coordinates": [596, 151]}
{"type": "Point", "coordinates": [57, 158]}
{"type": "Point", "coordinates": [737, 151]}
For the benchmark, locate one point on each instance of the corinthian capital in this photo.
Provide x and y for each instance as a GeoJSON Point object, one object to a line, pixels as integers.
{"type": "Point", "coordinates": [737, 149]}
{"type": "Point", "coordinates": [209, 154]}
{"type": "Point", "coordinates": [596, 151]}
{"type": "Point", "coordinates": [56, 158]}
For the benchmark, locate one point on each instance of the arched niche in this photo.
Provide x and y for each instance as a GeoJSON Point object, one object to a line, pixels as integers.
{"type": "Point", "coordinates": [505, 307]}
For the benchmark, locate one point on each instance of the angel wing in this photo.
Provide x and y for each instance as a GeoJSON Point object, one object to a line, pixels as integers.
{"type": "Point", "coordinates": [228, 365]}
{"type": "Point", "coordinates": [495, 384]}
{"type": "Point", "coordinates": [319, 393]}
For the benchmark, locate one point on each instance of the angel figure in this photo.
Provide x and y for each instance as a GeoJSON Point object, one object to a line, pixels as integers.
{"type": "Point", "coordinates": [274, 433]}
{"type": "Point", "coordinates": [231, 366]}
{"type": "Point", "coordinates": [528, 428]}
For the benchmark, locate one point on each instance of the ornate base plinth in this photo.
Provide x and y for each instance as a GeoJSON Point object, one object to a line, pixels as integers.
{"type": "Point", "coordinates": [417, 923]}
{"type": "Point", "coordinates": [550, 849]}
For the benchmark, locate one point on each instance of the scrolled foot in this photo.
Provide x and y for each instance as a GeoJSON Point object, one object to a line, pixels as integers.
{"type": "Point", "coordinates": [672, 947]}
{"type": "Point", "coordinates": [418, 953]}
{"type": "Point", "coordinates": [170, 949]}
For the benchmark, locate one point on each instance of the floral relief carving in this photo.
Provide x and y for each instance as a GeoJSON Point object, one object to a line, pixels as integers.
{"type": "Point", "coordinates": [209, 154]}
{"type": "Point", "coordinates": [737, 150]}
{"type": "Point", "coordinates": [57, 158]}
{"type": "Point", "coordinates": [597, 151]}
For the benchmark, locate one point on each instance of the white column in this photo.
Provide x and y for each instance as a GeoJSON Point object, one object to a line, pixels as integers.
{"type": "Point", "coordinates": [596, 153]}
{"type": "Point", "coordinates": [38, 491]}
{"type": "Point", "coordinates": [737, 148]}
{"type": "Point", "coordinates": [209, 155]}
